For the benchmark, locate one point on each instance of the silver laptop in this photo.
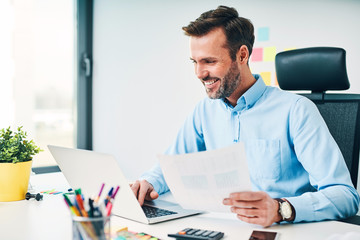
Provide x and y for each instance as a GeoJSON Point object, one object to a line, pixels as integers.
{"type": "Point", "coordinates": [88, 170]}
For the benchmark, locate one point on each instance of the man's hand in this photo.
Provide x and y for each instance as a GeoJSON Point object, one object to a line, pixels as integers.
{"type": "Point", "coordinates": [254, 207]}
{"type": "Point", "coordinates": [143, 190]}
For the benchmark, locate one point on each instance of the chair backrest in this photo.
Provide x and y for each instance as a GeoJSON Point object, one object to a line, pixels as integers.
{"type": "Point", "coordinates": [318, 70]}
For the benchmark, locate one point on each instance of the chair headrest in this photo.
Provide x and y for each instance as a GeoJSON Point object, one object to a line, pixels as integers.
{"type": "Point", "coordinates": [317, 69]}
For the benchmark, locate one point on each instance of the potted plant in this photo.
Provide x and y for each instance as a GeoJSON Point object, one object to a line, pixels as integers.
{"type": "Point", "coordinates": [16, 155]}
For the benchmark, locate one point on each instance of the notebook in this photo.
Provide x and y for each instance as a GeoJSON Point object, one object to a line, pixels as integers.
{"type": "Point", "coordinates": [88, 170]}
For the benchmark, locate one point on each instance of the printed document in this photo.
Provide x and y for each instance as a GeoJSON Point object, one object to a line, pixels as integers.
{"type": "Point", "coordinates": [202, 180]}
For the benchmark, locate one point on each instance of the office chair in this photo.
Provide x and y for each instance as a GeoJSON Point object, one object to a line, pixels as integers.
{"type": "Point", "coordinates": [318, 70]}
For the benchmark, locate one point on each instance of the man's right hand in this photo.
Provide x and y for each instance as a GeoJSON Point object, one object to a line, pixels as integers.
{"type": "Point", "coordinates": [143, 190]}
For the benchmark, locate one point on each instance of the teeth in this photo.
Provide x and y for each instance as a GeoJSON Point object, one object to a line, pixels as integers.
{"type": "Point", "coordinates": [210, 82]}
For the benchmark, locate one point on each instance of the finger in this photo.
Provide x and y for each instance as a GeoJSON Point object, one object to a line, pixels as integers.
{"type": "Point", "coordinates": [143, 191]}
{"type": "Point", "coordinates": [255, 220]}
{"type": "Point", "coordinates": [153, 195]}
{"type": "Point", "coordinates": [252, 220]}
{"type": "Point", "coordinates": [248, 212]}
{"type": "Point", "coordinates": [227, 201]}
{"type": "Point", "coordinates": [247, 196]}
{"type": "Point", "coordinates": [135, 187]}
{"type": "Point", "coordinates": [241, 204]}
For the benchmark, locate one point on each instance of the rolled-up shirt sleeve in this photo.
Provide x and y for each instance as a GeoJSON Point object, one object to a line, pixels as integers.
{"type": "Point", "coordinates": [320, 156]}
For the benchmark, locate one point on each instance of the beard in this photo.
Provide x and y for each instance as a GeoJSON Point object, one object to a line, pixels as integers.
{"type": "Point", "coordinates": [228, 84]}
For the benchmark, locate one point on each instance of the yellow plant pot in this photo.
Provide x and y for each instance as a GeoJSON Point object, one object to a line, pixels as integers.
{"type": "Point", "coordinates": [14, 180]}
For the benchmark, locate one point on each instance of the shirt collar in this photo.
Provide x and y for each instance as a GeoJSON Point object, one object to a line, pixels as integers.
{"type": "Point", "coordinates": [249, 98]}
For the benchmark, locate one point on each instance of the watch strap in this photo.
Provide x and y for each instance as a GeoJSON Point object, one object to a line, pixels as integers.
{"type": "Point", "coordinates": [292, 217]}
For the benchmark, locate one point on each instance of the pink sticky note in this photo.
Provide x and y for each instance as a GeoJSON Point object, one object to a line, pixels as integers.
{"type": "Point", "coordinates": [257, 55]}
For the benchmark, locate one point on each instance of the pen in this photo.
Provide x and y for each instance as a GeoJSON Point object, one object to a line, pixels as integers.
{"type": "Point", "coordinates": [91, 229]}
{"type": "Point", "coordinates": [71, 206]}
{"type": "Point", "coordinates": [98, 196]}
{"type": "Point", "coordinates": [97, 225]}
{"type": "Point", "coordinates": [108, 208]}
{"type": "Point", "coordinates": [80, 202]}
{"type": "Point", "coordinates": [116, 190]}
{"type": "Point", "coordinates": [108, 197]}
{"type": "Point", "coordinates": [97, 212]}
{"type": "Point", "coordinates": [72, 210]}
{"type": "Point", "coordinates": [109, 204]}
{"type": "Point", "coordinates": [91, 205]}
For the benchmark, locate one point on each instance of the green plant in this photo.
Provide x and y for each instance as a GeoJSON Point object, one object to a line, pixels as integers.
{"type": "Point", "coordinates": [15, 148]}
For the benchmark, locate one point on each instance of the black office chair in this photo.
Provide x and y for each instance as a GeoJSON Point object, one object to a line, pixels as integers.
{"type": "Point", "coordinates": [320, 69]}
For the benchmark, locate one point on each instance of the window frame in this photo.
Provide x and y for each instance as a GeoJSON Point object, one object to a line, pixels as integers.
{"type": "Point", "coordinates": [83, 78]}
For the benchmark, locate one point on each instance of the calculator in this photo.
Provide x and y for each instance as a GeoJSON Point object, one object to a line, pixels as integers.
{"type": "Point", "coordinates": [199, 234]}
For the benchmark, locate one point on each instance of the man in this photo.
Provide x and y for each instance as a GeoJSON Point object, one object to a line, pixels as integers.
{"type": "Point", "coordinates": [297, 170]}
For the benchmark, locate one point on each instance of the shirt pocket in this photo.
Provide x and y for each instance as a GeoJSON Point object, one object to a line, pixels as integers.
{"type": "Point", "coordinates": [264, 158]}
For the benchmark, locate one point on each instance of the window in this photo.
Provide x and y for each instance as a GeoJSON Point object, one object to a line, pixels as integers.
{"type": "Point", "coordinates": [38, 72]}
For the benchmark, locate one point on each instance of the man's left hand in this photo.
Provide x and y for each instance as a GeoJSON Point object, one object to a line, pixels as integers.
{"type": "Point", "coordinates": [254, 207]}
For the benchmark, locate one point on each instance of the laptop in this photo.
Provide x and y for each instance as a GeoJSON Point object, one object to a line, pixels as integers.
{"type": "Point", "coordinates": [88, 170]}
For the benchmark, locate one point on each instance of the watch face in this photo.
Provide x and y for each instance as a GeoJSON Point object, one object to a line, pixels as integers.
{"type": "Point", "coordinates": [285, 210]}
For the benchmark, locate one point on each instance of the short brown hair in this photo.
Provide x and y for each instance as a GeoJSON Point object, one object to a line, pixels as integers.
{"type": "Point", "coordinates": [239, 31]}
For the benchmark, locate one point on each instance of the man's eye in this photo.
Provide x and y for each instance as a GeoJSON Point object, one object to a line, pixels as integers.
{"type": "Point", "coordinates": [210, 61]}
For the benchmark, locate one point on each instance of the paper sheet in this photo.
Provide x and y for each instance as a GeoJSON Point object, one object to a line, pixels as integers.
{"type": "Point", "coordinates": [202, 180]}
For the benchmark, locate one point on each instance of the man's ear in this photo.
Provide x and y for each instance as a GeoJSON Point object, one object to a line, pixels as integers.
{"type": "Point", "coordinates": [242, 56]}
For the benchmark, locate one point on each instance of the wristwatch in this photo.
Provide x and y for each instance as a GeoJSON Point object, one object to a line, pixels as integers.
{"type": "Point", "coordinates": [285, 209]}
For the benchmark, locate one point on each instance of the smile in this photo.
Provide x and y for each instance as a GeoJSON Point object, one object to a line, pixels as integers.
{"type": "Point", "coordinates": [207, 83]}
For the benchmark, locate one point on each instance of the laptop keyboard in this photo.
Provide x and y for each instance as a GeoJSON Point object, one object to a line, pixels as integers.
{"type": "Point", "coordinates": [153, 212]}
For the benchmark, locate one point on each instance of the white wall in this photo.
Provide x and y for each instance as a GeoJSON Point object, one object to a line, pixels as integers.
{"type": "Point", "coordinates": [144, 85]}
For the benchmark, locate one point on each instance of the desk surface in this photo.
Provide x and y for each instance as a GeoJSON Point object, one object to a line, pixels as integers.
{"type": "Point", "coordinates": [50, 219]}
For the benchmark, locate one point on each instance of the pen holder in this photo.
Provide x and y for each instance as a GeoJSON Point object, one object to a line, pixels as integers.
{"type": "Point", "coordinates": [85, 228]}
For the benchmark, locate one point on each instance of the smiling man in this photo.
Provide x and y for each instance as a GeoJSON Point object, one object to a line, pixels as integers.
{"type": "Point", "coordinates": [297, 171]}
{"type": "Point", "coordinates": [220, 75]}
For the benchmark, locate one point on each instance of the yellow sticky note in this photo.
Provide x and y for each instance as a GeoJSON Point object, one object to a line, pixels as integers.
{"type": "Point", "coordinates": [122, 229]}
{"type": "Point", "coordinates": [276, 81]}
{"type": "Point", "coordinates": [269, 54]}
{"type": "Point", "coordinates": [266, 76]}
{"type": "Point", "coordinates": [289, 49]}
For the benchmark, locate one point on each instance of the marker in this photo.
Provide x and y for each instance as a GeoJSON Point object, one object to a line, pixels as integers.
{"type": "Point", "coordinates": [71, 206]}
{"type": "Point", "coordinates": [70, 191]}
{"type": "Point", "coordinates": [80, 202]}
{"type": "Point", "coordinates": [116, 190]}
{"type": "Point", "coordinates": [91, 205]}
{"type": "Point", "coordinates": [97, 212]}
{"type": "Point", "coordinates": [108, 197]}
{"type": "Point", "coordinates": [108, 208]}
{"type": "Point", "coordinates": [98, 196]}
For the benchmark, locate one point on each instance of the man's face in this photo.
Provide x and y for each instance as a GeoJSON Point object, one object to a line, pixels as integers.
{"type": "Point", "coordinates": [213, 65]}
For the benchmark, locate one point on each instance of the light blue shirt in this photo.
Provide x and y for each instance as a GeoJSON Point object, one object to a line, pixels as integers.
{"type": "Point", "coordinates": [290, 151]}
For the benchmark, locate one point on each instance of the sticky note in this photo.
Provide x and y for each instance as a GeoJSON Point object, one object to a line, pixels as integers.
{"type": "Point", "coordinates": [276, 81]}
{"type": "Point", "coordinates": [288, 49]}
{"type": "Point", "coordinates": [48, 191]}
{"type": "Point", "coordinates": [266, 76]}
{"type": "Point", "coordinates": [122, 229]}
{"type": "Point", "coordinates": [257, 55]}
{"type": "Point", "coordinates": [120, 238]}
{"type": "Point", "coordinates": [56, 193]}
{"type": "Point", "coordinates": [263, 34]}
{"type": "Point", "coordinates": [269, 54]}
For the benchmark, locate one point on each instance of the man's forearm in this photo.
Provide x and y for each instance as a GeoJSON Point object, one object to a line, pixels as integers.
{"type": "Point", "coordinates": [331, 203]}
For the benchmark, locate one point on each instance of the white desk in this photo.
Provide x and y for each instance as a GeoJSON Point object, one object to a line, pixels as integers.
{"type": "Point", "coordinates": [50, 219]}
